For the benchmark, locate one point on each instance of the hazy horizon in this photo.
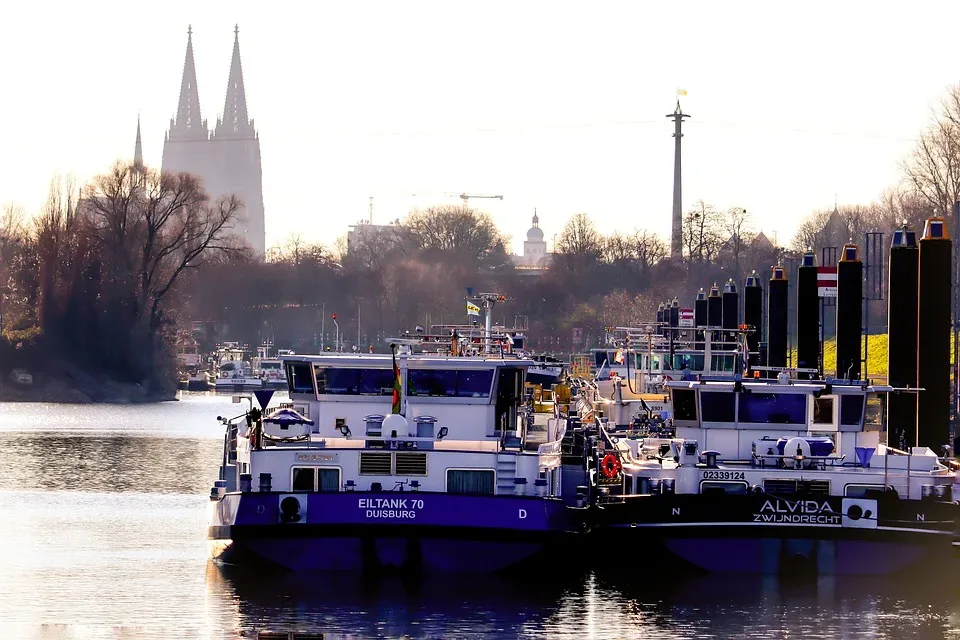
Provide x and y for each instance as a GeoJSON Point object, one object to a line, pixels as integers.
{"type": "Point", "coordinates": [549, 105]}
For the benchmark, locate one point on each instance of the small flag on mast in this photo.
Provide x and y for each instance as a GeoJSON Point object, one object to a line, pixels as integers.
{"type": "Point", "coordinates": [473, 310]}
{"type": "Point", "coordinates": [681, 92]}
{"type": "Point", "coordinates": [397, 383]}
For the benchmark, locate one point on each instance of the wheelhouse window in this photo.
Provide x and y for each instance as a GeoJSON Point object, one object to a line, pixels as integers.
{"type": "Point", "coordinates": [851, 410]}
{"type": "Point", "coordinates": [474, 384]}
{"type": "Point", "coordinates": [439, 383]}
{"type": "Point", "coordinates": [471, 481]}
{"type": "Point", "coordinates": [352, 381]}
{"type": "Point", "coordinates": [773, 408]}
{"type": "Point", "coordinates": [684, 404]}
{"type": "Point", "coordinates": [299, 379]}
{"type": "Point", "coordinates": [823, 410]}
{"type": "Point", "coordinates": [450, 383]}
{"type": "Point", "coordinates": [717, 406]}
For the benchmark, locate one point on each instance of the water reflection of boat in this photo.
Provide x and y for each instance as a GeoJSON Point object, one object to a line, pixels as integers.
{"type": "Point", "coordinates": [346, 603]}
{"type": "Point", "coordinates": [835, 606]}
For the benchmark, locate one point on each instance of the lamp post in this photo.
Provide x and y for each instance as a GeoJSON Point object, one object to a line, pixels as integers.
{"type": "Point", "coordinates": [336, 340]}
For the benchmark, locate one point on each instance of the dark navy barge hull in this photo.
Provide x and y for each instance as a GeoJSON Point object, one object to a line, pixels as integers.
{"type": "Point", "coordinates": [770, 534]}
{"type": "Point", "coordinates": [386, 531]}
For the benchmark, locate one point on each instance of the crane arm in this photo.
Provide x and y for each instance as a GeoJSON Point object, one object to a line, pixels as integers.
{"type": "Point", "coordinates": [467, 196]}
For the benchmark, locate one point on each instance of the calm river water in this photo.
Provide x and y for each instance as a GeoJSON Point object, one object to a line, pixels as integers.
{"type": "Point", "coordinates": [102, 522]}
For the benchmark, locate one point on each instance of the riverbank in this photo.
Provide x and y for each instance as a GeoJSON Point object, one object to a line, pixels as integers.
{"type": "Point", "coordinates": [66, 383]}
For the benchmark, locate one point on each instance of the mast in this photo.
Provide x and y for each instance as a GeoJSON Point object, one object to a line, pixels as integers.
{"type": "Point", "coordinates": [676, 238]}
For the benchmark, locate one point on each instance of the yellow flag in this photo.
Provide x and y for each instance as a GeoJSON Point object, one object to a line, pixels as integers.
{"type": "Point", "coordinates": [681, 92]}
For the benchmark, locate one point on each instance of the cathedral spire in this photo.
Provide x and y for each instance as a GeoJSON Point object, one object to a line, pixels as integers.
{"type": "Point", "coordinates": [138, 148]}
{"type": "Point", "coordinates": [188, 123]}
{"type": "Point", "coordinates": [235, 122]}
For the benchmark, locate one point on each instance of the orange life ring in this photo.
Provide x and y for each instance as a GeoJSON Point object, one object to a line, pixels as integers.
{"type": "Point", "coordinates": [610, 466]}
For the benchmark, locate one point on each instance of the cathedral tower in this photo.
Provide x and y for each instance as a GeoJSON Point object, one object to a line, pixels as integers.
{"type": "Point", "coordinates": [227, 159]}
{"type": "Point", "coordinates": [236, 147]}
{"type": "Point", "coordinates": [185, 147]}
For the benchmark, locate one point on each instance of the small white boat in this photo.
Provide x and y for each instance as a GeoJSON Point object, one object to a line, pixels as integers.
{"type": "Point", "coordinates": [199, 381]}
{"type": "Point", "coordinates": [234, 373]}
{"type": "Point", "coordinates": [270, 369]}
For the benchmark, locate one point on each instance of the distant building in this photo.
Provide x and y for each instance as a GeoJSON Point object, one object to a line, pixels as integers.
{"type": "Point", "coordinates": [372, 235]}
{"type": "Point", "coordinates": [535, 256]}
{"type": "Point", "coordinates": [762, 243]}
{"type": "Point", "coordinates": [227, 158]}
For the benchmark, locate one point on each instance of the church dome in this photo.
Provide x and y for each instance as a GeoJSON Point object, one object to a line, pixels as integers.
{"type": "Point", "coordinates": [535, 233]}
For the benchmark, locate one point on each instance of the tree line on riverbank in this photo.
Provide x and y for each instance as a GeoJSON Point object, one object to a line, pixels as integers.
{"type": "Point", "coordinates": [106, 274]}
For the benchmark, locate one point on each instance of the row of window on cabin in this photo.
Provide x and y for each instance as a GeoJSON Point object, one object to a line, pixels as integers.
{"type": "Point", "coordinates": [445, 383]}
{"type": "Point", "coordinates": [676, 362]}
{"type": "Point", "coordinates": [764, 408]}
{"type": "Point", "coordinates": [460, 481]}
{"type": "Point", "coordinates": [852, 490]}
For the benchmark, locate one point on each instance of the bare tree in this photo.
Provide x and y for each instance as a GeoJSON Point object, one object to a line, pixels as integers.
{"type": "Point", "coordinates": [811, 234]}
{"type": "Point", "coordinates": [156, 226]}
{"type": "Point", "coordinates": [580, 238]}
{"type": "Point", "coordinates": [453, 229]}
{"type": "Point", "coordinates": [933, 169]}
{"type": "Point", "coordinates": [736, 223]}
{"type": "Point", "coordinates": [702, 235]}
{"type": "Point", "coordinates": [618, 248]}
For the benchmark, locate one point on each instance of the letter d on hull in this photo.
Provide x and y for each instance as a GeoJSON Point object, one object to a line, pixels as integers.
{"type": "Point", "coordinates": [522, 514]}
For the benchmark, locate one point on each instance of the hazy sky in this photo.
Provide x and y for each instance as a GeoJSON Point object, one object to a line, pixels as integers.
{"type": "Point", "coordinates": [554, 105]}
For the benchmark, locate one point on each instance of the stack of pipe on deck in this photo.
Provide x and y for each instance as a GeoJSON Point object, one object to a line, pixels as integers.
{"type": "Point", "coordinates": [753, 316]}
{"type": "Point", "coordinates": [808, 324]}
{"type": "Point", "coordinates": [674, 317]}
{"type": "Point", "coordinates": [731, 314]}
{"type": "Point", "coordinates": [933, 335]}
{"type": "Point", "coordinates": [849, 312]}
{"type": "Point", "coordinates": [700, 317]}
{"type": "Point", "coordinates": [777, 320]}
{"type": "Point", "coordinates": [902, 339]}
{"type": "Point", "coordinates": [715, 315]}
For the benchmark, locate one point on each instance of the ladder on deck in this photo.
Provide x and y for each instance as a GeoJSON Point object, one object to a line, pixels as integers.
{"type": "Point", "coordinates": [506, 472]}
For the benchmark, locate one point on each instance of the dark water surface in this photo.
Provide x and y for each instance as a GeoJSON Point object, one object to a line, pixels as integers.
{"type": "Point", "coordinates": [102, 522]}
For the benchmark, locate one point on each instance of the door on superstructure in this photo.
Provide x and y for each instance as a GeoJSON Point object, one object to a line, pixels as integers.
{"type": "Point", "coordinates": [509, 397]}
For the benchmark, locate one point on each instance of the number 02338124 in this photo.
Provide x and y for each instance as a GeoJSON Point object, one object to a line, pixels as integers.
{"type": "Point", "coordinates": [723, 475]}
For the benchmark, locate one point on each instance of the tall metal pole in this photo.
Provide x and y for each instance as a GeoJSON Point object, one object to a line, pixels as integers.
{"type": "Point", "coordinates": [676, 238]}
{"type": "Point", "coordinates": [323, 322]}
{"type": "Point", "coordinates": [955, 405]}
{"type": "Point", "coordinates": [488, 306]}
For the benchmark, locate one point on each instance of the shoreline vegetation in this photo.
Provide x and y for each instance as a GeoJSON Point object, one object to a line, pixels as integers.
{"type": "Point", "coordinates": [64, 383]}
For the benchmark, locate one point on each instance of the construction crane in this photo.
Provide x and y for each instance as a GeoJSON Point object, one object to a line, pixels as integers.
{"type": "Point", "coordinates": [467, 196]}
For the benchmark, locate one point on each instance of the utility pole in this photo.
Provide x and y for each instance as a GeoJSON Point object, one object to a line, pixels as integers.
{"type": "Point", "coordinates": [676, 238]}
{"type": "Point", "coordinates": [336, 340]}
